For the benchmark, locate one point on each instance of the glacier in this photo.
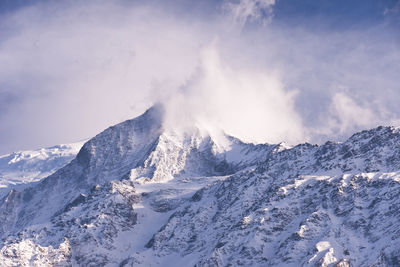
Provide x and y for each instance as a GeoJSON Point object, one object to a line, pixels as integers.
{"type": "Point", "coordinates": [141, 194]}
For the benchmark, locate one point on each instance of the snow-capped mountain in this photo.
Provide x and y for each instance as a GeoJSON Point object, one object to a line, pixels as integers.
{"type": "Point", "coordinates": [22, 168]}
{"type": "Point", "coordinates": [139, 194]}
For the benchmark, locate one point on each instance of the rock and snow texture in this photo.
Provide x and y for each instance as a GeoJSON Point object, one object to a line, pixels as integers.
{"type": "Point", "coordinates": [141, 195]}
{"type": "Point", "coordinates": [22, 168]}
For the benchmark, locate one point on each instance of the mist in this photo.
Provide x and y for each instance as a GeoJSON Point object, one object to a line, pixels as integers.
{"type": "Point", "coordinates": [69, 70]}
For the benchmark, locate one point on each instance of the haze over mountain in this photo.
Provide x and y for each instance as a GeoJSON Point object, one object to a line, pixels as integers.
{"type": "Point", "coordinates": [219, 153]}
{"type": "Point", "coordinates": [23, 168]}
{"type": "Point", "coordinates": [309, 70]}
{"type": "Point", "coordinates": [143, 194]}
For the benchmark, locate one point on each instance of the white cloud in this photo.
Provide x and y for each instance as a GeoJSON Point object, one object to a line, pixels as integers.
{"type": "Point", "coordinates": [69, 70]}
{"type": "Point", "coordinates": [347, 114]}
{"type": "Point", "coordinates": [242, 11]}
{"type": "Point", "coordinates": [76, 70]}
{"type": "Point", "coordinates": [247, 103]}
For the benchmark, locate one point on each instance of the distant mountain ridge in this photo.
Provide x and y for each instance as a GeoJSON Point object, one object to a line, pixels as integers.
{"type": "Point", "coordinates": [138, 194]}
{"type": "Point", "coordinates": [21, 168]}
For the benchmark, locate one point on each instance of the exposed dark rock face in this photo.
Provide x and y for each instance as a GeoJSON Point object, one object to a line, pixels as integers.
{"type": "Point", "coordinates": [139, 195]}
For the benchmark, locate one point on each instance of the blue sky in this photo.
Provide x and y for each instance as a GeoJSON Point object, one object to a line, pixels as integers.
{"type": "Point", "coordinates": [263, 70]}
{"type": "Point", "coordinates": [327, 14]}
{"type": "Point", "coordinates": [339, 14]}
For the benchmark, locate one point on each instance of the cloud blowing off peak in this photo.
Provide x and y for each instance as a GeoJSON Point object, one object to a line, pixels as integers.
{"type": "Point", "coordinates": [69, 70]}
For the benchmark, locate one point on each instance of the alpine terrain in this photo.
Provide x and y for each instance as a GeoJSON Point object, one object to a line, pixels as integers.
{"type": "Point", "coordinates": [141, 194]}
{"type": "Point", "coordinates": [21, 169]}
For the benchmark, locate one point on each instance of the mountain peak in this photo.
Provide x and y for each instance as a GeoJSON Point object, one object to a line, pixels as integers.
{"type": "Point", "coordinates": [123, 144]}
{"type": "Point", "coordinates": [140, 191]}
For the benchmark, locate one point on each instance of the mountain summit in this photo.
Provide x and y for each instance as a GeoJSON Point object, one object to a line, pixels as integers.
{"type": "Point", "coordinates": [139, 194]}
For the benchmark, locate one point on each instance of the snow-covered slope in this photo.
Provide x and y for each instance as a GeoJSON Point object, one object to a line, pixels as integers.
{"type": "Point", "coordinates": [138, 194]}
{"type": "Point", "coordinates": [22, 168]}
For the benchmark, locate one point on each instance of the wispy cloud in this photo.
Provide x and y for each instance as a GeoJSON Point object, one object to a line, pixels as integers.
{"type": "Point", "coordinates": [243, 11]}
{"type": "Point", "coordinates": [244, 102]}
{"type": "Point", "coordinates": [69, 70]}
{"type": "Point", "coordinates": [393, 13]}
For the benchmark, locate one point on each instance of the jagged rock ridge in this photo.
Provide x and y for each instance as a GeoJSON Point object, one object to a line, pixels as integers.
{"type": "Point", "coordinates": [139, 194]}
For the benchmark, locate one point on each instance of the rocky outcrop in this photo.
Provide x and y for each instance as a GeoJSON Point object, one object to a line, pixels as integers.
{"type": "Point", "coordinates": [138, 194]}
